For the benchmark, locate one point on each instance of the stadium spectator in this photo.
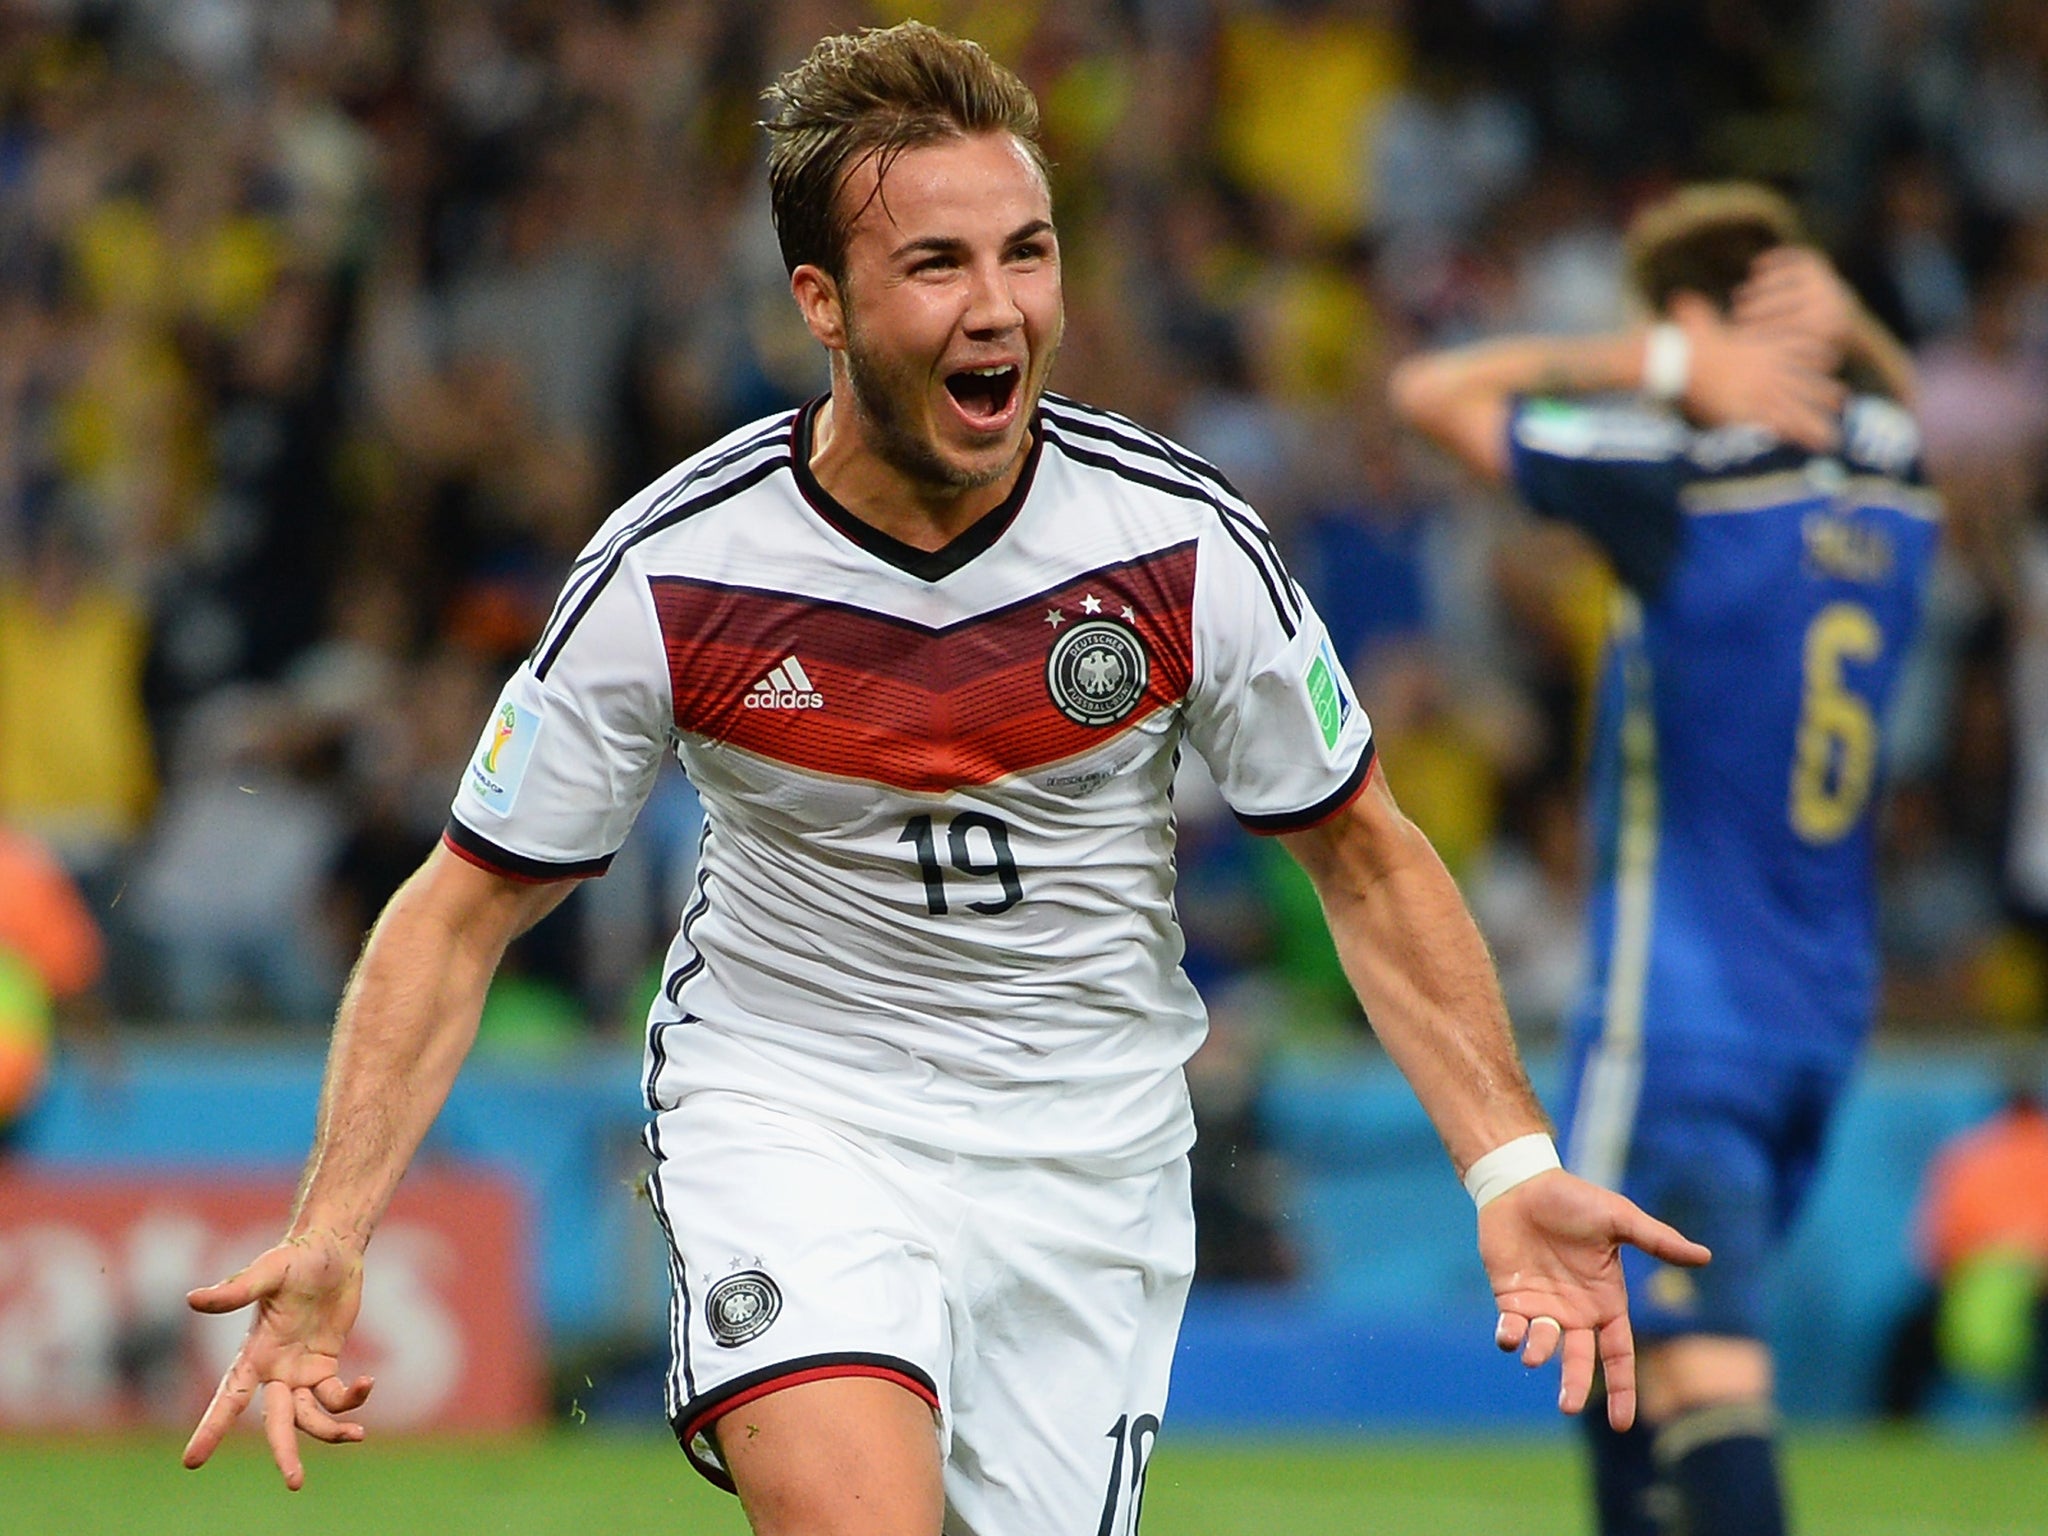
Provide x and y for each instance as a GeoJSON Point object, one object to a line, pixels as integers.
{"type": "Point", "coordinates": [917, 1071]}
{"type": "Point", "coordinates": [51, 953]}
{"type": "Point", "coordinates": [1773, 544]}
{"type": "Point", "coordinates": [1982, 1232]}
{"type": "Point", "coordinates": [77, 765]}
{"type": "Point", "coordinates": [251, 824]}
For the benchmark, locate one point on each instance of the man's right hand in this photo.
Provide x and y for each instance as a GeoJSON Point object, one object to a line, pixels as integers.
{"type": "Point", "coordinates": [306, 1291]}
{"type": "Point", "coordinates": [1794, 288]}
{"type": "Point", "coordinates": [1777, 379]}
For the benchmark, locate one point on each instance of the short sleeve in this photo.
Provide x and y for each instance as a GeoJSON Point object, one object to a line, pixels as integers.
{"type": "Point", "coordinates": [1880, 437]}
{"type": "Point", "coordinates": [1614, 471]}
{"type": "Point", "coordinates": [1270, 709]}
{"type": "Point", "coordinates": [572, 747]}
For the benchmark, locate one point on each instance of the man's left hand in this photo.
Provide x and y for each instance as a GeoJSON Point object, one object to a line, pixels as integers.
{"type": "Point", "coordinates": [1552, 1251]}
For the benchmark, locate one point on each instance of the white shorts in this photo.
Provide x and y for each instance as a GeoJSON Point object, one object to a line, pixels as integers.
{"type": "Point", "coordinates": [1034, 1305]}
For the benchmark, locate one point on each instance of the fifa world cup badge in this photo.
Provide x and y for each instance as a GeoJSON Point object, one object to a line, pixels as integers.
{"type": "Point", "coordinates": [500, 760]}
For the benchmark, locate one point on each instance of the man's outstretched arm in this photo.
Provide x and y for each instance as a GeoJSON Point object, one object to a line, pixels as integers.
{"type": "Point", "coordinates": [406, 1021]}
{"type": "Point", "coordinates": [1551, 1243]}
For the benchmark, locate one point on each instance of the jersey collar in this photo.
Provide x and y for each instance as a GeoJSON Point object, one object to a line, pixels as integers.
{"type": "Point", "coordinates": [925, 564]}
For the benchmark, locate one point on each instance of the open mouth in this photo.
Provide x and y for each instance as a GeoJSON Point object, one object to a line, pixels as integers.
{"type": "Point", "coordinates": [985, 395]}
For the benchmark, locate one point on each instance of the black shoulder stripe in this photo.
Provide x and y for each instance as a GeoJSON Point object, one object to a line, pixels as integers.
{"type": "Point", "coordinates": [673, 515]}
{"type": "Point", "coordinates": [596, 558]}
{"type": "Point", "coordinates": [1275, 587]}
{"type": "Point", "coordinates": [1244, 528]}
{"type": "Point", "coordinates": [696, 475]}
{"type": "Point", "coordinates": [1150, 445]}
{"type": "Point", "coordinates": [1094, 421]}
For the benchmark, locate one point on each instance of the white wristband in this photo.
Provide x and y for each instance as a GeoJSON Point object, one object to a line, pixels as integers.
{"type": "Point", "coordinates": [1510, 1163]}
{"type": "Point", "coordinates": [1667, 361]}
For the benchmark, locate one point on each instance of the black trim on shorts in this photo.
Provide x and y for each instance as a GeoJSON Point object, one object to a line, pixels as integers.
{"type": "Point", "coordinates": [478, 849]}
{"type": "Point", "coordinates": [924, 564]}
{"type": "Point", "coordinates": [679, 1280]}
{"type": "Point", "coordinates": [695, 1410]}
{"type": "Point", "coordinates": [1321, 811]}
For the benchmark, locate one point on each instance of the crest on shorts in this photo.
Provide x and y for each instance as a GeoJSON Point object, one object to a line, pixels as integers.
{"type": "Point", "coordinates": [1097, 672]}
{"type": "Point", "coordinates": [740, 1307]}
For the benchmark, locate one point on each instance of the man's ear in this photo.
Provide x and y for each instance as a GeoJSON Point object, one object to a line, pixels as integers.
{"type": "Point", "coordinates": [818, 299]}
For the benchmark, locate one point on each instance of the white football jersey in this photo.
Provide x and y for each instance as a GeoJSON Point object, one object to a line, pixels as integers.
{"type": "Point", "coordinates": [935, 894]}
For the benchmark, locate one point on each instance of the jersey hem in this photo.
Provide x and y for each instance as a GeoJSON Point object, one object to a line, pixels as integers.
{"type": "Point", "coordinates": [696, 1417]}
{"type": "Point", "coordinates": [1315, 815]}
{"type": "Point", "coordinates": [472, 847]}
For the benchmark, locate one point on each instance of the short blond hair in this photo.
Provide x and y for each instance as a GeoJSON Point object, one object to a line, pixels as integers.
{"type": "Point", "coordinates": [875, 93]}
{"type": "Point", "coordinates": [1702, 239]}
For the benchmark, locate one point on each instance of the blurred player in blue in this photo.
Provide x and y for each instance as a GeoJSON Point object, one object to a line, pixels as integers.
{"type": "Point", "coordinates": [1748, 464]}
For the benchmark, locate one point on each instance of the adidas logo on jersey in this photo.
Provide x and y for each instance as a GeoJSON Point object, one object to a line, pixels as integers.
{"type": "Point", "coordinates": [787, 687]}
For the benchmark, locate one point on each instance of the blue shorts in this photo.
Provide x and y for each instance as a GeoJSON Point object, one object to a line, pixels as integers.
{"type": "Point", "coordinates": [1724, 1150]}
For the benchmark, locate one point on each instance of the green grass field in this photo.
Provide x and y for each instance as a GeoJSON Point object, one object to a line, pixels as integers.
{"type": "Point", "coordinates": [590, 1484]}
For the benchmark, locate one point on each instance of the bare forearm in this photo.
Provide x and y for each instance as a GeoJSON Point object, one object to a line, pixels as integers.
{"type": "Point", "coordinates": [1461, 398]}
{"type": "Point", "coordinates": [1422, 972]}
{"type": "Point", "coordinates": [406, 1022]}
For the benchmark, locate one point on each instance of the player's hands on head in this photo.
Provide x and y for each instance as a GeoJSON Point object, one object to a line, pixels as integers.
{"type": "Point", "coordinates": [306, 1292]}
{"type": "Point", "coordinates": [1796, 289]}
{"type": "Point", "coordinates": [1552, 1250]}
{"type": "Point", "coordinates": [1781, 379]}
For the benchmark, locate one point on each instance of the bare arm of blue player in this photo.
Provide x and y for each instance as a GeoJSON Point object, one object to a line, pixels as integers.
{"type": "Point", "coordinates": [1551, 1245]}
{"type": "Point", "coordinates": [405, 1024]}
{"type": "Point", "coordinates": [1778, 379]}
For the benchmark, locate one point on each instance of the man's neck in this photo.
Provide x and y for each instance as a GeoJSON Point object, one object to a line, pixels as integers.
{"type": "Point", "coordinates": [912, 511]}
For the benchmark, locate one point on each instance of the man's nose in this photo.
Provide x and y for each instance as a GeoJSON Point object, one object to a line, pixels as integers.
{"type": "Point", "coordinates": [992, 308]}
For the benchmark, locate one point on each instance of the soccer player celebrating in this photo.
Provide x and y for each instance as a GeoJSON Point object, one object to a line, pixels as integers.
{"type": "Point", "coordinates": [928, 648]}
{"type": "Point", "coordinates": [1772, 535]}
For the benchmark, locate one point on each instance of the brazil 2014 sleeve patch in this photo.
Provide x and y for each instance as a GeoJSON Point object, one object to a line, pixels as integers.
{"type": "Point", "coordinates": [1327, 695]}
{"type": "Point", "coordinates": [499, 763]}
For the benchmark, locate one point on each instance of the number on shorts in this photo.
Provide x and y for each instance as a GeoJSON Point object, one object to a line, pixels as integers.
{"type": "Point", "coordinates": [1136, 1435]}
{"type": "Point", "coordinates": [960, 846]}
{"type": "Point", "coordinates": [1834, 764]}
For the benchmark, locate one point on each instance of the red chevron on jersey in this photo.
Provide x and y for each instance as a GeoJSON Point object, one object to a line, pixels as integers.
{"type": "Point", "coordinates": [860, 694]}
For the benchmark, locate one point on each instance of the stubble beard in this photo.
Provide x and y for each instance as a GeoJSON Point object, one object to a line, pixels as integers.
{"type": "Point", "coordinates": [884, 396]}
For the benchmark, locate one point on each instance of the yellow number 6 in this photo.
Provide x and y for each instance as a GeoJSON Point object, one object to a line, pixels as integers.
{"type": "Point", "coordinates": [1835, 762]}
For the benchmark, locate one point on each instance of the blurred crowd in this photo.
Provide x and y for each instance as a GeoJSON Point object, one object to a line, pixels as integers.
{"type": "Point", "coordinates": [330, 329]}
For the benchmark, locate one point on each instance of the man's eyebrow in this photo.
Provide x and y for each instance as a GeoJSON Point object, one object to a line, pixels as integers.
{"type": "Point", "coordinates": [952, 245]}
